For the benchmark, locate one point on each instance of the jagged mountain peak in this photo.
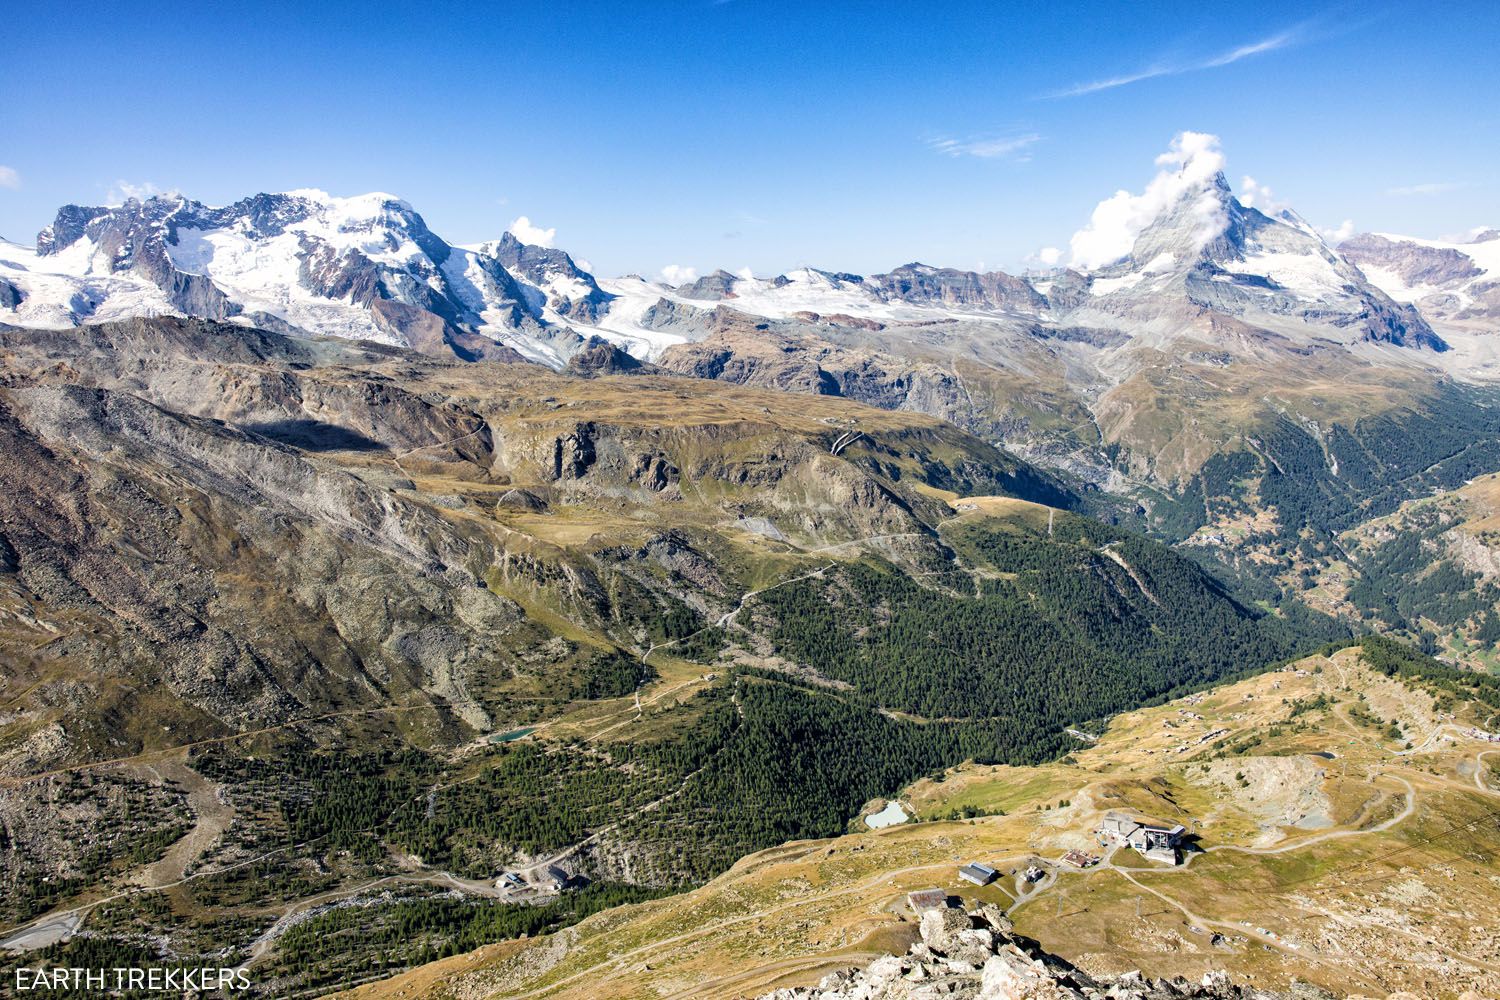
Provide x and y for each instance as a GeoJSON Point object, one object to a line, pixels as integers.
{"type": "Point", "coordinates": [305, 261]}
{"type": "Point", "coordinates": [1186, 248]}
{"type": "Point", "coordinates": [1203, 219]}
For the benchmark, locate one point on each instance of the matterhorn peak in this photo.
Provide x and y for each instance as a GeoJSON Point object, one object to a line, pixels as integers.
{"type": "Point", "coordinates": [1201, 215]}
{"type": "Point", "coordinates": [1185, 206]}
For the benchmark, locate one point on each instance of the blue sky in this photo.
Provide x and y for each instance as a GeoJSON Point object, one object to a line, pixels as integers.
{"type": "Point", "coordinates": [734, 134]}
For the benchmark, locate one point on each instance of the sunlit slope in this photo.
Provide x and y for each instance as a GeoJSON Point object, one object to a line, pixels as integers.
{"type": "Point", "coordinates": [1326, 851]}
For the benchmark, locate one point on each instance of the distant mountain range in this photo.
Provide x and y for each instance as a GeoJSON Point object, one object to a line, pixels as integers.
{"type": "Point", "coordinates": [1136, 371]}
{"type": "Point", "coordinates": [368, 267]}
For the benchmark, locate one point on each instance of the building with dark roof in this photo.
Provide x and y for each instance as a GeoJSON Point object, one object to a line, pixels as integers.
{"type": "Point", "coordinates": [1154, 840]}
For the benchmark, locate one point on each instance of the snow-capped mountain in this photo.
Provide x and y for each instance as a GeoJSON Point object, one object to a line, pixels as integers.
{"type": "Point", "coordinates": [1183, 261]}
{"type": "Point", "coordinates": [305, 262]}
{"type": "Point", "coordinates": [1208, 254]}
{"type": "Point", "coordinates": [1202, 258]}
{"type": "Point", "coordinates": [1454, 283]}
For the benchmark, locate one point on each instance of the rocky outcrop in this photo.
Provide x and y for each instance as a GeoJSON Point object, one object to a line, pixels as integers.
{"type": "Point", "coordinates": [601, 357]}
{"type": "Point", "coordinates": [426, 331]}
{"type": "Point", "coordinates": [70, 224]}
{"type": "Point", "coordinates": [519, 499]}
{"type": "Point", "coordinates": [11, 297]}
{"type": "Point", "coordinates": [793, 363]}
{"type": "Point", "coordinates": [975, 955]}
{"type": "Point", "coordinates": [1445, 282]}
{"type": "Point", "coordinates": [922, 284]}
{"type": "Point", "coordinates": [1414, 263]}
{"type": "Point", "coordinates": [568, 289]}
{"type": "Point", "coordinates": [710, 287]}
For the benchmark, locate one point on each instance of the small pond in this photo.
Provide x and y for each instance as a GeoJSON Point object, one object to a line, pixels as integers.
{"type": "Point", "coordinates": [889, 816]}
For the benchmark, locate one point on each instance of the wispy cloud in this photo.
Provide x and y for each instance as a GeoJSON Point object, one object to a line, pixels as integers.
{"type": "Point", "coordinates": [1271, 43]}
{"type": "Point", "coordinates": [678, 274]}
{"type": "Point", "coordinates": [530, 233]}
{"type": "Point", "coordinates": [10, 177]}
{"type": "Point", "coordinates": [124, 191]}
{"type": "Point", "coordinates": [1011, 147]}
{"type": "Point", "coordinates": [1254, 194]}
{"type": "Point", "coordinates": [1337, 234]}
{"type": "Point", "coordinates": [1421, 190]}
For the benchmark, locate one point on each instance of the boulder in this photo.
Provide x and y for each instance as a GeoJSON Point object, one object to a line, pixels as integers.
{"type": "Point", "coordinates": [940, 929]}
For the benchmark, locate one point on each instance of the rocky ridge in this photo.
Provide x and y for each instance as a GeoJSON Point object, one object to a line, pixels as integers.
{"type": "Point", "coordinates": [975, 955]}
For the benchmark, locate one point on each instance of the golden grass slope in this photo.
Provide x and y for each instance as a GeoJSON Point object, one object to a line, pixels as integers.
{"type": "Point", "coordinates": [1374, 871]}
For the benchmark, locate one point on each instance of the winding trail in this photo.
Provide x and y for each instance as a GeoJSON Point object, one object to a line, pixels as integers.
{"type": "Point", "coordinates": [728, 616]}
{"type": "Point", "coordinates": [786, 967]}
{"type": "Point", "coordinates": [212, 816]}
{"type": "Point", "coordinates": [718, 926]}
{"type": "Point", "coordinates": [1479, 781]}
{"type": "Point", "coordinates": [1198, 920]}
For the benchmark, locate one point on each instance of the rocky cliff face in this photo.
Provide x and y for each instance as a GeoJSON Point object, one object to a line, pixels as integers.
{"type": "Point", "coordinates": [793, 363]}
{"type": "Point", "coordinates": [1456, 284]}
{"type": "Point", "coordinates": [564, 287]}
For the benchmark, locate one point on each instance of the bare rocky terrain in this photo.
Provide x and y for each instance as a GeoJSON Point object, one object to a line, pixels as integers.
{"type": "Point", "coordinates": [975, 955]}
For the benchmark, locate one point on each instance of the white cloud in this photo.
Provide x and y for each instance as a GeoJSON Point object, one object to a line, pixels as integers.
{"type": "Point", "coordinates": [1256, 195]}
{"type": "Point", "coordinates": [993, 148]}
{"type": "Point", "coordinates": [584, 265]}
{"type": "Point", "coordinates": [745, 273]}
{"type": "Point", "coordinates": [1187, 166]}
{"type": "Point", "coordinates": [1271, 43]}
{"type": "Point", "coordinates": [1421, 190]}
{"type": "Point", "coordinates": [10, 177]}
{"type": "Point", "coordinates": [523, 230]}
{"type": "Point", "coordinates": [677, 274]}
{"type": "Point", "coordinates": [1049, 256]}
{"type": "Point", "coordinates": [1339, 233]}
{"type": "Point", "coordinates": [124, 191]}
